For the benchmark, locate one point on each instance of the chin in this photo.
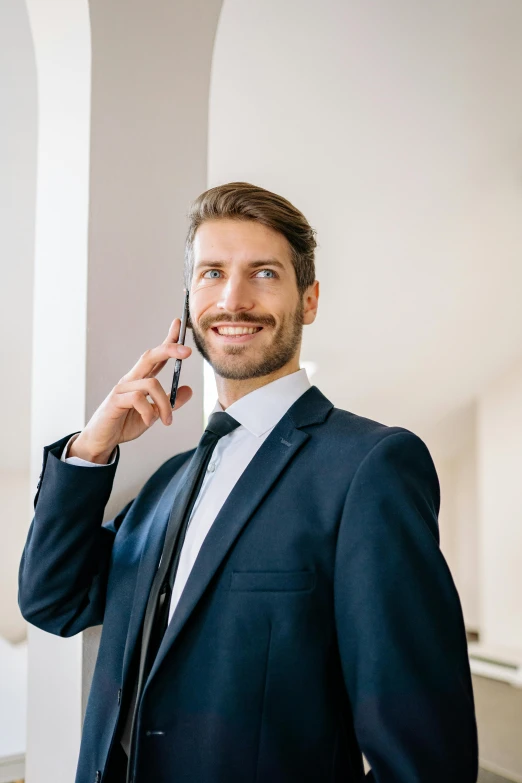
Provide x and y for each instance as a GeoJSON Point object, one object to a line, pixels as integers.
{"type": "Point", "coordinates": [233, 371]}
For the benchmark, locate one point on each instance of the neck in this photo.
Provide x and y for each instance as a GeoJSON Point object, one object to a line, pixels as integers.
{"type": "Point", "coordinates": [230, 391]}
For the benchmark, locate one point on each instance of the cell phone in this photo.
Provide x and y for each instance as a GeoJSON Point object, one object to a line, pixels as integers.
{"type": "Point", "coordinates": [181, 341]}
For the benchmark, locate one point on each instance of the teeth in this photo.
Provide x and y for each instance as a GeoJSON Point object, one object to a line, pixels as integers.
{"type": "Point", "coordinates": [238, 329]}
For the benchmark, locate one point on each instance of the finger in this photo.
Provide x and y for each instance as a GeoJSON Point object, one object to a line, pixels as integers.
{"type": "Point", "coordinates": [173, 333]}
{"type": "Point", "coordinates": [146, 364]}
{"type": "Point", "coordinates": [183, 395]}
{"type": "Point", "coordinates": [153, 388]}
{"type": "Point", "coordinates": [160, 365]}
{"type": "Point", "coordinates": [136, 400]}
{"type": "Point", "coordinates": [172, 337]}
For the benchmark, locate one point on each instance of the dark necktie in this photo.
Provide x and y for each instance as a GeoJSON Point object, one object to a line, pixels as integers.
{"type": "Point", "coordinates": [157, 611]}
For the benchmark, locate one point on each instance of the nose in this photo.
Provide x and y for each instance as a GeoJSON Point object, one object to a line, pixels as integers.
{"type": "Point", "coordinates": [236, 295]}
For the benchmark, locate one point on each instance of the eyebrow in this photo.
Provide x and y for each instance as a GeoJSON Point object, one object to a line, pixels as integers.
{"type": "Point", "coordinates": [251, 264]}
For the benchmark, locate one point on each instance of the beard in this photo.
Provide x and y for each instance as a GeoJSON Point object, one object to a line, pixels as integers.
{"type": "Point", "coordinates": [234, 362]}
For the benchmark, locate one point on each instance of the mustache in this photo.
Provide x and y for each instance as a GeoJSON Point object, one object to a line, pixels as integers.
{"type": "Point", "coordinates": [261, 320]}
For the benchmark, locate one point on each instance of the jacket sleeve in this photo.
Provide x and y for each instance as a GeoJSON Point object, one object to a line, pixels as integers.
{"type": "Point", "coordinates": [65, 563]}
{"type": "Point", "coordinates": [399, 622]}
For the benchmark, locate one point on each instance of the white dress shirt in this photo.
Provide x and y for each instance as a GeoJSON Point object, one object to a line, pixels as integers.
{"type": "Point", "coordinates": [257, 413]}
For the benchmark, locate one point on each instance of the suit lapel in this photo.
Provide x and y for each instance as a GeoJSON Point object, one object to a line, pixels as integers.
{"type": "Point", "coordinates": [255, 482]}
{"type": "Point", "coordinates": [150, 559]}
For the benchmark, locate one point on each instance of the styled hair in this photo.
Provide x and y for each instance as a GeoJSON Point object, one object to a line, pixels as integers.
{"type": "Point", "coordinates": [243, 201]}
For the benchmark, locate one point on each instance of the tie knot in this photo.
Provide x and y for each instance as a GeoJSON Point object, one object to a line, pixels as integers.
{"type": "Point", "coordinates": [221, 423]}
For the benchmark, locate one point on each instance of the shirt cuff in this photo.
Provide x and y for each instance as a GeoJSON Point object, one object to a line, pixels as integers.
{"type": "Point", "coordinates": [79, 460]}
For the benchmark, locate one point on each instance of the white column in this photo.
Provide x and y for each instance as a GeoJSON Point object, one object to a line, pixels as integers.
{"type": "Point", "coordinates": [63, 58]}
{"type": "Point", "coordinates": [123, 96]}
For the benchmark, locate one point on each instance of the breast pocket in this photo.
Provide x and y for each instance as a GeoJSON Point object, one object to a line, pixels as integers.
{"type": "Point", "coordinates": [272, 581]}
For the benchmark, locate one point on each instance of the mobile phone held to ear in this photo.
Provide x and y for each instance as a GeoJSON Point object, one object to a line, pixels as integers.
{"type": "Point", "coordinates": [181, 341]}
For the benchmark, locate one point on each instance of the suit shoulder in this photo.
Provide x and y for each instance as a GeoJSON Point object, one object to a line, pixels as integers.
{"type": "Point", "coordinates": [356, 440]}
{"type": "Point", "coordinates": [349, 430]}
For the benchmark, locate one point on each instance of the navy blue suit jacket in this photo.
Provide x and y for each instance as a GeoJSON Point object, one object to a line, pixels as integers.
{"type": "Point", "coordinates": [320, 619]}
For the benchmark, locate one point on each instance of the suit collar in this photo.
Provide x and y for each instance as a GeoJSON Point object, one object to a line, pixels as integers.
{"type": "Point", "coordinates": [311, 408]}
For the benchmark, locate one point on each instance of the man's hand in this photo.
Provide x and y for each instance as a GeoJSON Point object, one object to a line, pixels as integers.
{"type": "Point", "coordinates": [126, 413]}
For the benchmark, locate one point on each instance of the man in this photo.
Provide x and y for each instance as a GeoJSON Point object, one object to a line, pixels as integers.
{"type": "Point", "coordinates": [275, 602]}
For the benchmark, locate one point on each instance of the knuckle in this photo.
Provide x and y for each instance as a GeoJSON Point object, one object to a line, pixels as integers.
{"type": "Point", "coordinates": [159, 389]}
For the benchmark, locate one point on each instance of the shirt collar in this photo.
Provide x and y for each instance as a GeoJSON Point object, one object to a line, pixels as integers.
{"type": "Point", "coordinates": [261, 409]}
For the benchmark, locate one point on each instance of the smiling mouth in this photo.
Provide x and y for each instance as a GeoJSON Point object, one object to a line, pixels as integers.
{"type": "Point", "coordinates": [236, 334]}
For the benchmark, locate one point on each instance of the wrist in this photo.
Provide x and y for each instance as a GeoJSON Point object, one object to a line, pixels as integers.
{"type": "Point", "coordinates": [82, 449]}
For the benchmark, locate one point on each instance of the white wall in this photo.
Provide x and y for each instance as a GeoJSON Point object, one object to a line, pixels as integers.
{"type": "Point", "coordinates": [500, 496]}
{"type": "Point", "coordinates": [395, 127]}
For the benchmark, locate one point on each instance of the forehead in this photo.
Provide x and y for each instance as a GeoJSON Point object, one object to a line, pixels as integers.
{"type": "Point", "coordinates": [239, 241]}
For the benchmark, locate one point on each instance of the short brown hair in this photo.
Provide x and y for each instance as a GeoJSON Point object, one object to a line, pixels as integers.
{"type": "Point", "coordinates": [243, 201]}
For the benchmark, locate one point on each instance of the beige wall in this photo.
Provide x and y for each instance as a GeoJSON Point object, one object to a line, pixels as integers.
{"type": "Point", "coordinates": [500, 497]}
{"type": "Point", "coordinates": [467, 535]}
{"type": "Point", "coordinates": [459, 527]}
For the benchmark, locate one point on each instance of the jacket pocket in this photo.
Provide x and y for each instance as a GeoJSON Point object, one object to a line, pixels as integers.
{"type": "Point", "coordinates": [272, 581]}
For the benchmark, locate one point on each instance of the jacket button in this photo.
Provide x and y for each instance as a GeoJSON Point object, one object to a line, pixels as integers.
{"type": "Point", "coordinates": [97, 777]}
{"type": "Point", "coordinates": [119, 696]}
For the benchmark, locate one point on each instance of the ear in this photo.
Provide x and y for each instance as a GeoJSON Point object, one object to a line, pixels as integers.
{"type": "Point", "coordinates": [310, 303]}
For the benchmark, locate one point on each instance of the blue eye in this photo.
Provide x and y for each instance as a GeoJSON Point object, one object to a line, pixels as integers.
{"type": "Point", "coordinates": [214, 274]}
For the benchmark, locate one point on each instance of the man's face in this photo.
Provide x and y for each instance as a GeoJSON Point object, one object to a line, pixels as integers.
{"type": "Point", "coordinates": [245, 309]}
